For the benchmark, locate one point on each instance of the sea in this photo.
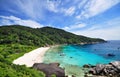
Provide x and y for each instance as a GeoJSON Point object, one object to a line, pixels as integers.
{"type": "Point", "coordinates": [73, 57]}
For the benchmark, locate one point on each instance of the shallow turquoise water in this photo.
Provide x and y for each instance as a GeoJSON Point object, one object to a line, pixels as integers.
{"type": "Point", "coordinates": [73, 57]}
{"type": "Point", "coordinates": [68, 54]}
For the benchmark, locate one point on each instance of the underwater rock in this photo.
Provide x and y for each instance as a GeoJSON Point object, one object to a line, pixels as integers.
{"type": "Point", "coordinates": [62, 54]}
{"type": "Point", "coordinates": [110, 54]}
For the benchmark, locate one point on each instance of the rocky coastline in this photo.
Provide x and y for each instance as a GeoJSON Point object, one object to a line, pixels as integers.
{"type": "Point", "coordinates": [111, 69]}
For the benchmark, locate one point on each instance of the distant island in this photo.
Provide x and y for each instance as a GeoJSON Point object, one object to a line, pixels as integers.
{"type": "Point", "coordinates": [16, 40]}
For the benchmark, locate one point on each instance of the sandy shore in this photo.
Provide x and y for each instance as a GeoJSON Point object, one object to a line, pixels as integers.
{"type": "Point", "coordinates": [35, 56]}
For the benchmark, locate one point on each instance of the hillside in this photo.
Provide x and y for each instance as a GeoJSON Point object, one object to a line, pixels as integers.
{"type": "Point", "coordinates": [16, 40]}
{"type": "Point", "coordinates": [40, 36]}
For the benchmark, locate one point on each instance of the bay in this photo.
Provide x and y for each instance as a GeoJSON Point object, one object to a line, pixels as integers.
{"type": "Point", "coordinates": [73, 57]}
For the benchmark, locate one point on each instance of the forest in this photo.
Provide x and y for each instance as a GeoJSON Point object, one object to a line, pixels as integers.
{"type": "Point", "coordinates": [40, 36]}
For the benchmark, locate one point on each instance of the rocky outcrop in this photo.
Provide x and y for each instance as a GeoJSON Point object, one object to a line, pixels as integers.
{"type": "Point", "coordinates": [111, 55]}
{"type": "Point", "coordinates": [50, 69]}
{"type": "Point", "coordinates": [86, 66]}
{"type": "Point", "coordinates": [109, 70]}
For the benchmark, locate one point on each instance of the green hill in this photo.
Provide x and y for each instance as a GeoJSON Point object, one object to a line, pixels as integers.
{"type": "Point", "coordinates": [40, 36]}
{"type": "Point", "coordinates": [16, 40]}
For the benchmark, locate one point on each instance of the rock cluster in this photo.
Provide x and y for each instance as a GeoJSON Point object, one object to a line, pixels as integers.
{"type": "Point", "coordinates": [50, 69]}
{"type": "Point", "coordinates": [110, 70]}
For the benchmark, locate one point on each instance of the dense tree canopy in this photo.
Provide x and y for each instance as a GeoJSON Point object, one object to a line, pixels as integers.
{"type": "Point", "coordinates": [40, 36]}
{"type": "Point", "coordinates": [10, 52]}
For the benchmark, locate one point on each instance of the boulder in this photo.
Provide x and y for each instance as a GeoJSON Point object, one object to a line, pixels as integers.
{"type": "Point", "coordinates": [110, 70]}
{"type": "Point", "coordinates": [92, 71]}
{"type": "Point", "coordinates": [55, 64]}
{"type": "Point", "coordinates": [86, 66]}
{"type": "Point", "coordinates": [50, 69]}
{"type": "Point", "coordinates": [116, 64]}
{"type": "Point", "coordinates": [98, 69]}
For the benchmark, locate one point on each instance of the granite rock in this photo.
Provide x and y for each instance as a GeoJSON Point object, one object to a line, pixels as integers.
{"type": "Point", "coordinates": [50, 69]}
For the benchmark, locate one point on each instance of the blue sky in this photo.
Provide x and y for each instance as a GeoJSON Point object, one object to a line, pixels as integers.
{"type": "Point", "coordinates": [92, 18]}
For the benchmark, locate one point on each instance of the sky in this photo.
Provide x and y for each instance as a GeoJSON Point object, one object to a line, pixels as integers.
{"type": "Point", "coordinates": [92, 18]}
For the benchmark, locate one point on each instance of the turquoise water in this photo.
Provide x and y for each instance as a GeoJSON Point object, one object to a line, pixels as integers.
{"type": "Point", "coordinates": [73, 57]}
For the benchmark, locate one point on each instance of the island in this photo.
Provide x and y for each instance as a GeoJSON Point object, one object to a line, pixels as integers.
{"type": "Point", "coordinates": [18, 40]}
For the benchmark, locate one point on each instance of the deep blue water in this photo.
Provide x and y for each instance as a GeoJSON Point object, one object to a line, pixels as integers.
{"type": "Point", "coordinates": [79, 55]}
{"type": "Point", "coordinates": [102, 49]}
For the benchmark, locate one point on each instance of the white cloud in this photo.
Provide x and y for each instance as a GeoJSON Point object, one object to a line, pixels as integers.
{"type": "Point", "coordinates": [82, 3]}
{"type": "Point", "coordinates": [32, 8]}
{"type": "Point", "coordinates": [5, 22]}
{"type": "Point", "coordinates": [73, 27]}
{"type": "Point", "coordinates": [29, 23]}
{"type": "Point", "coordinates": [53, 6]}
{"type": "Point", "coordinates": [108, 34]}
{"type": "Point", "coordinates": [95, 7]}
{"type": "Point", "coordinates": [109, 30]}
{"type": "Point", "coordinates": [70, 11]}
{"type": "Point", "coordinates": [10, 20]}
{"type": "Point", "coordinates": [36, 9]}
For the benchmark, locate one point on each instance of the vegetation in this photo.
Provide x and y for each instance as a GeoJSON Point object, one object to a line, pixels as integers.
{"type": "Point", "coordinates": [10, 52]}
{"type": "Point", "coordinates": [16, 40]}
{"type": "Point", "coordinates": [40, 36]}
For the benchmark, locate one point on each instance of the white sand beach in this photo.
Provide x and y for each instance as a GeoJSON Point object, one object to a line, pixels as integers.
{"type": "Point", "coordinates": [35, 56]}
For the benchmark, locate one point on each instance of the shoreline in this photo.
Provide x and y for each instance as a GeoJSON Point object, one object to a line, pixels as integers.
{"type": "Point", "coordinates": [34, 56]}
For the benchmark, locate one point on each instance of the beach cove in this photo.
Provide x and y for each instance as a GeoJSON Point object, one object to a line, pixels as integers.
{"type": "Point", "coordinates": [72, 57]}
{"type": "Point", "coordinates": [35, 56]}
